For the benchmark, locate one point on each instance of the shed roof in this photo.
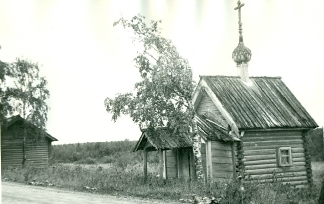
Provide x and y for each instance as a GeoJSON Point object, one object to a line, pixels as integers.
{"type": "Point", "coordinates": [210, 129]}
{"type": "Point", "coordinates": [162, 138]}
{"type": "Point", "coordinates": [12, 120]}
{"type": "Point", "coordinates": [264, 102]}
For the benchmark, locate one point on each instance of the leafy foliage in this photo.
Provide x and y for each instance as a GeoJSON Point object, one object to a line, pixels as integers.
{"type": "Point", "coordinates": [25, 93]}
{"type": "Point", "coordinates": [163, 96]}
{"type": "Point", "coordinates": [28, 92]}
{"type": "Point", "coordinates": [5, 108]}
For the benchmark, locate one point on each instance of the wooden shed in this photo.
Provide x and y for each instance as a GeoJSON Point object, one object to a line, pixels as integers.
{"type": "Point", "coordinates": [266, 118]}
{"type": "Point", "coordinates": [175, 153]}
{"type": "Point", "coordinates": [37, 148]}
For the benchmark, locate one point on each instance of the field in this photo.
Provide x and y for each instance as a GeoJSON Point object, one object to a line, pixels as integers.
{"type": "Point", "coordinates": [114, 180]}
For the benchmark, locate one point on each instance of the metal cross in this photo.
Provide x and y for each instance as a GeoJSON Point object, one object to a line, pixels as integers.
{"type": "Point", "coordinates": [239, 6]}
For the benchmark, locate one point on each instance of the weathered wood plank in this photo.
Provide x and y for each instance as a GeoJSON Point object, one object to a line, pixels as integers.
{"type": "Point", "coordinates": [222, 167]}
{"type": "Point", "coordinates": [222, 154]}
{"type": "Point", "coordinates": [216, 145]}
{"type": "Point", "coordinates": [222, 160]}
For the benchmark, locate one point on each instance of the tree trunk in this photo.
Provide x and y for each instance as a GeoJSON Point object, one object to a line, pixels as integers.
{"type": "Point", "coordinates": [196, 147]}
{"type": "Point", "coordinates": [24, 144]}
{"type": "Point", "coordinates": [321, 196]}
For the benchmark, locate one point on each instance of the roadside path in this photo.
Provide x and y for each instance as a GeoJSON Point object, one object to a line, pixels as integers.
{"type": "Point", "coordinates": [26, 194]}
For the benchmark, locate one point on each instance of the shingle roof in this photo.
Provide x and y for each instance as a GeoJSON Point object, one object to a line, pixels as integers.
{"type": "Point", "coordinates": [210, 129]}
{"type": "Point", "coordinates": [162, 138]}
{"type": "Point", "coordinates": [264, 103]}
{"type": "Point", "coordinates": [11, 120]}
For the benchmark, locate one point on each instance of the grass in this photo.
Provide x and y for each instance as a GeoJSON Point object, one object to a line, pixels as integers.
{"type": "Point", "coordinates": [128, 180]}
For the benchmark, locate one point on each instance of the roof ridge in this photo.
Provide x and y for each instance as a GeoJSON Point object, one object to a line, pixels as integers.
{"type": "Point", "coordinates": [225, 76]}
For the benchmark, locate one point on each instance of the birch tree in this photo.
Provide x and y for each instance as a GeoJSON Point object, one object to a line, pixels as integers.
{"type": "Point", "coordinates": [163, 96]}
{"type": "Point", "coordinates": [26, 94]}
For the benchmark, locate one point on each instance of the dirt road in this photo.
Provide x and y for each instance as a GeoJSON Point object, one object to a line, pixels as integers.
{"type": "Point", "coordinates": [26, 194]}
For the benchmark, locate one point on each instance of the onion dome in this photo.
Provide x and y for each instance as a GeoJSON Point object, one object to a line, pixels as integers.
{"type": "Point", "coordinates": [241, 54]}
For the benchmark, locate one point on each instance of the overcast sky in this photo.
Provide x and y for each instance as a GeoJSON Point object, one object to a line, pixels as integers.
{"type": "Point", "coordinates": [85, 59]}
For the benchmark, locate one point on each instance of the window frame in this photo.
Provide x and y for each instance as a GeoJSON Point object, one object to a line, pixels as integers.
{"type": "Point", "coordinates": [280, 156]}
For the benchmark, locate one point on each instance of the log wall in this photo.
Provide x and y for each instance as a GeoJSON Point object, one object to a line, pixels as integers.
{"type": "Point", "coordinates": [37, 152]}
{"type": "Point", "coordinates": [260, 156]}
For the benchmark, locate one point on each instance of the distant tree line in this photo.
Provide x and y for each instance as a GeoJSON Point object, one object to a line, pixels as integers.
{"type": "Point", "coordinates": [118, 152]}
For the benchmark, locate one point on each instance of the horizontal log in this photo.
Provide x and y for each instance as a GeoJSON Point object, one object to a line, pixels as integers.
{"type": "Point", "coordinates": [279, 175]}
{"type": "Point", "coordinates": [270, 143]}
{"type": "Point", "coordinates": [296, 155]}
{"type": "Point", "coordinates": [272, 147]}
{"type": "Point", "coordinates": [273, 165]}
{"type": "Point", "coordinates": [285, 179]}
{"type": "Point", "coordinates": [299, 159]}
{"type": "Point", "coordinates": [271, 138]}
{"type": "Point", "coordinates": [297, 150]}
{"type": "Point", "coordinates": [12, 157]}
{"type": "Point", "coordinates": [295, 183]}
{"type": "Point", "coordinates": [260, 157]}
{"type": "Point", "coordinates": [259, 152]}
{"type": "Point", "coordinates": [273, 133]}
{"type": "Point", "coordinates": [277, 170]}
{"type": "Point", "coordinates": [262, 166]}
{"type": "Point", "coordinates": [270, 151]}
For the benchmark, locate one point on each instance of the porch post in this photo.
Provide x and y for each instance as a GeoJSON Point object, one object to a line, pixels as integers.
{"type": "Point", "coordinates": [145, 164]}
{"type": "Point", "coordinates": [209, 161]}
{"type": "Point", "coordinates": [161, 167]}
